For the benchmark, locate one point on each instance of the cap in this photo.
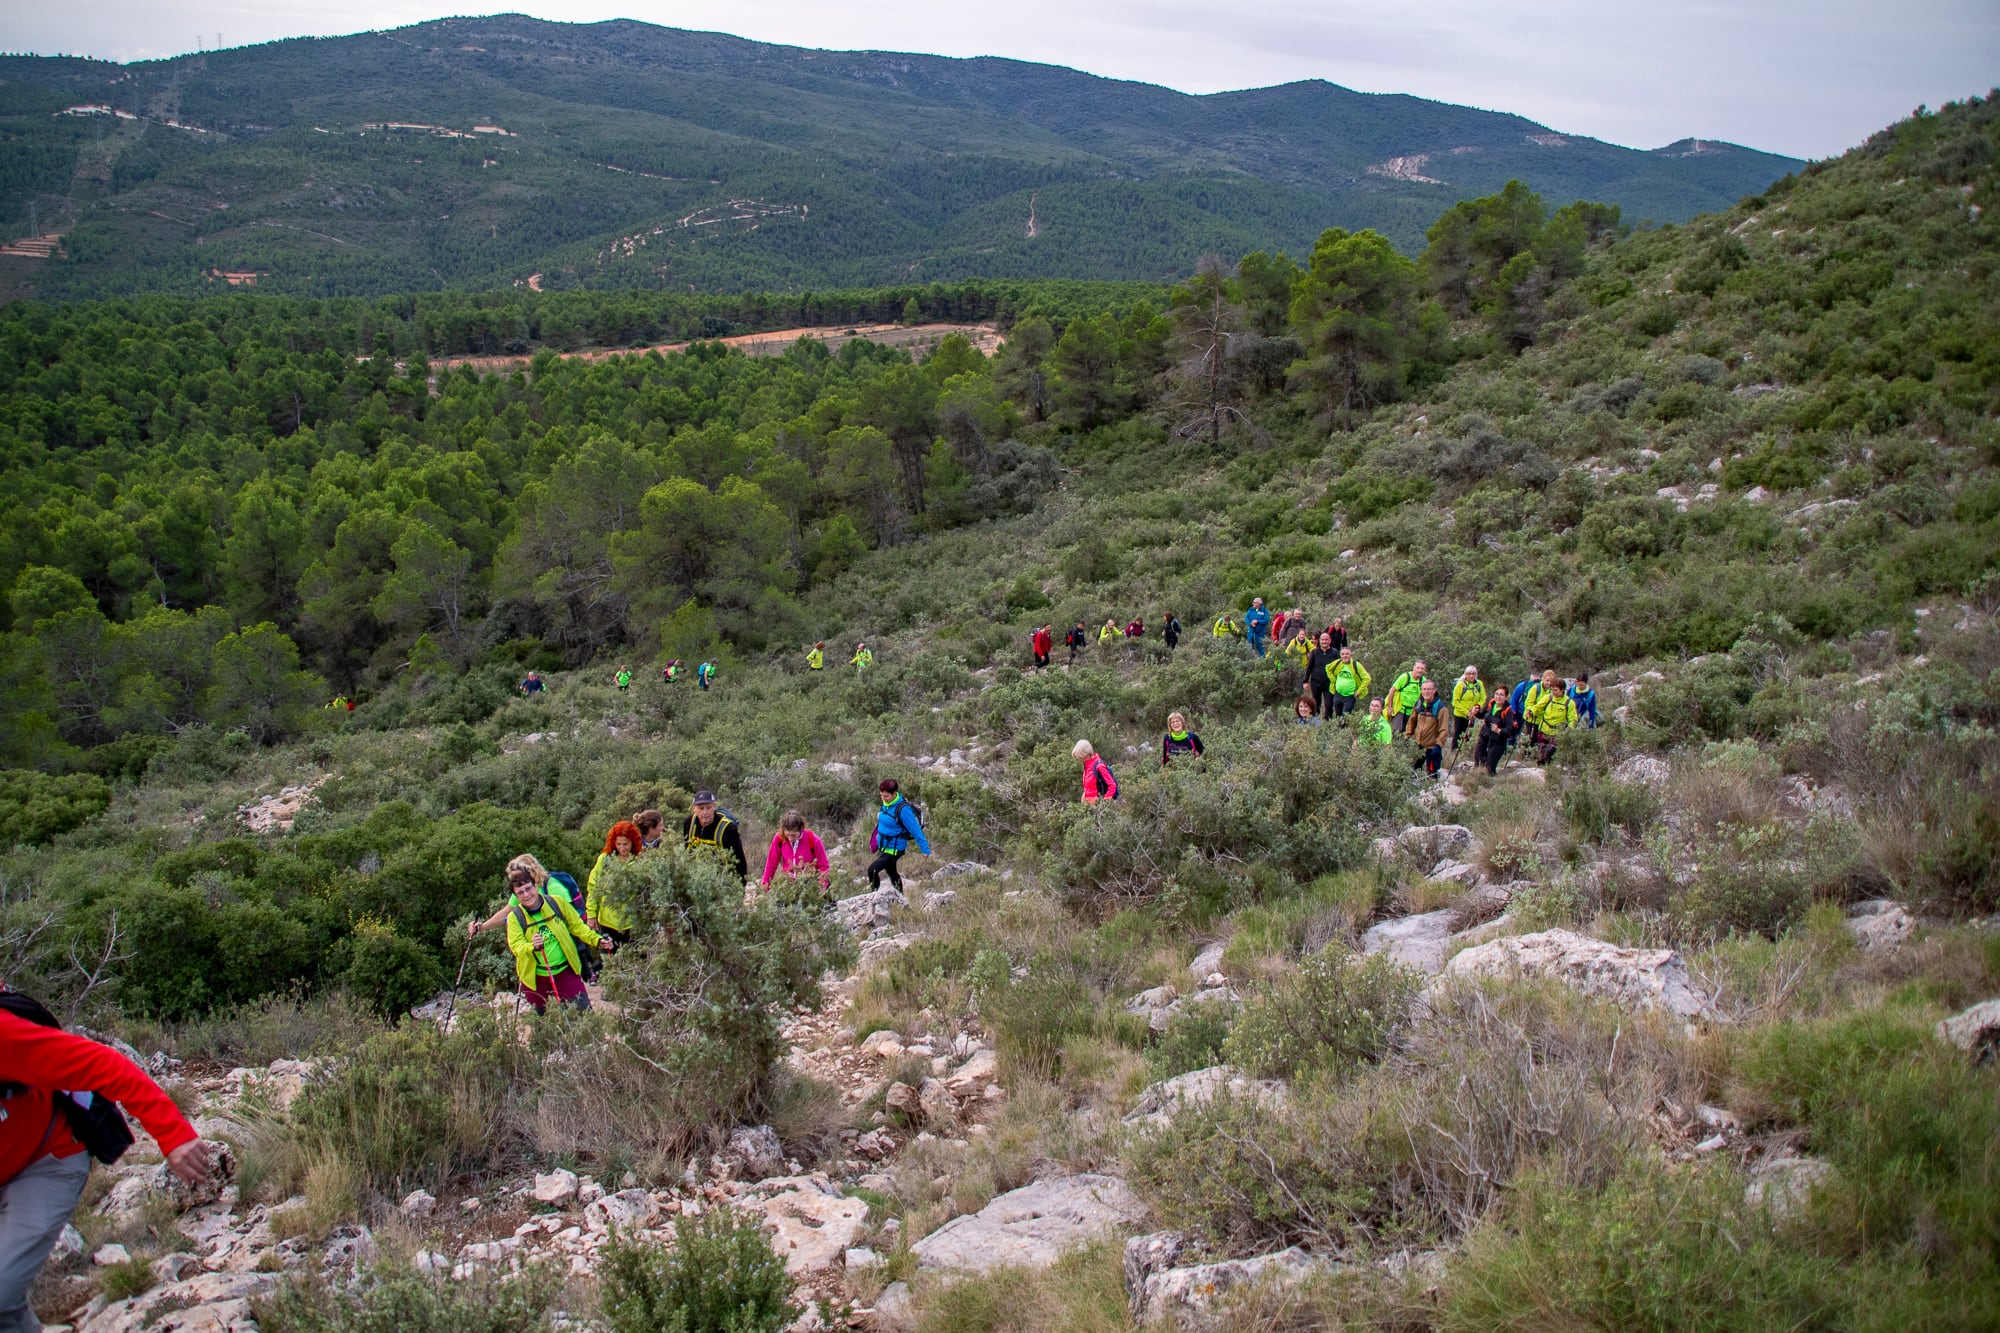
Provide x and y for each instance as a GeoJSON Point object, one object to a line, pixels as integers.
{"type": "Point", "coordinates": [704, 797]}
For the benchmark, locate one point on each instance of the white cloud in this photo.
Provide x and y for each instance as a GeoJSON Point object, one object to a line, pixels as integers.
{"type": "Point", "coordinates": [1806, 78]}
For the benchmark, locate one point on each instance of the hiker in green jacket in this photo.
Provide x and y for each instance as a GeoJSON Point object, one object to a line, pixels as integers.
{"type": "Point", "coordinates": [542, 934]}
{"type": "Point", "coordinates": [1403, 696]}
{"type": "Point", "coordinates": [1346, 683]}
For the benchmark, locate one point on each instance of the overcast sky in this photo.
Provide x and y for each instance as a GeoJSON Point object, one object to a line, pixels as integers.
{"type": "Point", "coordinates": [1809, 79]}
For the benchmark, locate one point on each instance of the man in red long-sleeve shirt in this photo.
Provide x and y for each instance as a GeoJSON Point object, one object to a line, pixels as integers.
{"type": "Point", "coordinates": [42, 1166]}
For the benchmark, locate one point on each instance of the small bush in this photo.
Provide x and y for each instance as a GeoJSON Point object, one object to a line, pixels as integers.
{"type": "Point", "coordinates": [1597, 807]}
{"type": "Point", "coordinates": [394, 1298]}
{"type": "Point", "coordinates": [1194, 1040]}
{"type": "Point", "coordinates": [1752, 878]}
{"type": "Point", "coordinates": [1332, 1014]}
{"type": "Point", "coordinates": [389, 973]}
{"type": "Point", "coordinates": [719, 1276]}
{"type": "Point", "coordinates": [121, 1282]}
{"type": "Point", "coordinates": [35, 807]}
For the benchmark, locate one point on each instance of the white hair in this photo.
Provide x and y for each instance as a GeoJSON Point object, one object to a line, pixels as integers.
{"type": "Point", "coordinates": [1082, 750]}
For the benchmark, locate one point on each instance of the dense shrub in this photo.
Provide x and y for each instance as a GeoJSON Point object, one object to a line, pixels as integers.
{"type": "Point", "coordinates": [35, 807]}
{"type": "Point", "coordinates": [389, 972]}
{"type": "Point", "coordinates": [719, 1276]}
{"type": "Point", "coordinates": [1333, 1013]}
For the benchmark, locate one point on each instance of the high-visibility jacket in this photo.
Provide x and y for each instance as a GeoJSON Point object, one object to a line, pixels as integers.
{"type": "Point", "coordinates": [1347, 679]}
{"type": "Point", "coordinates": [721, 837]}
{"type": "Point", "coordinates": [1225, 628]}
{"type": "Point", "coordinates": [1538, 698]}
{"type": "Point", "coordinates": [1403, 695]}
{"type": "Point", "coordinates": [1467, 695]}
{"type": "Point", "coordinates": [1558, 713]}
{"type": "Point", "coordinates": [815, 660]}
{"type": "Point", "coordinates": [543, 941]}
{"type": "Point", "coordinates": [596, 905]}
{"type": "Point", "coordinates": [861, 659]}
{"type": "Point", "coordinates": [1108, 632]}
{"type": "Point", "coordinates": [1299, 648]}
{"type": "Point", "coordinates": [624, 679]}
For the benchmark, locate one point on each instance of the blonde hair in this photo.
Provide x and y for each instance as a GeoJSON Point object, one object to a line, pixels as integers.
{"type": "Point", "coordinates": [1082, 750]}
{"type": "Point", "coordinates": [526, 861]}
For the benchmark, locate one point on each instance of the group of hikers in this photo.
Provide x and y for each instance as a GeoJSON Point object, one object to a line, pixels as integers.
{"type": "Point", "coordinates": [704, 673]}
{"type": "Point", "coordinates": [1334, 685]}
{"type": "Point", "coordinates": [556, 930]}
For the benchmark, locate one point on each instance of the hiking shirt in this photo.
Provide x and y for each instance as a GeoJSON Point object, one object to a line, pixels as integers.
{"type": "Point", "coordinates": [1467, 695]}
{"type": "Point", "coordinates": [897, 826]}
{"type": "Point", "coordinates": [721, 836]}
{"type": "Point", "coordinates": [1256, 621]}
{"type": "Point", "coordinates": [861, 659]}
{"type": "Point", "coordinates": [1076, 638]}
{"type": "Point", "coordinates": [624, 680]}
{"type": "Point", "coordinates": [1225, 628]}
{"type": "Point", "coordinates": [1404, 694]}
{"type": "Point", "coordinates": [1348, 679]}
{"type": "Point", "coordinates": [1040, 642]}
{"type": "Point", "coordinates": [543, 941]}
{"type": "Point", "coordinates": [1179, 743]}
{"type": "Point", "coordinates": [1339, 637]}
{"type": "Point", "coordinates": [1302, 649]}
{"type": "Point", "coordinates": [1538, 700]}
{"type": "Point", "coordinates": [1558, 714]}
{"type": "Point", "coordinates": [1378, 730]}
{"type": "Point", "coordinates": [48, 1061]}
{"type": "Point", "coordinates": [1110, 631]}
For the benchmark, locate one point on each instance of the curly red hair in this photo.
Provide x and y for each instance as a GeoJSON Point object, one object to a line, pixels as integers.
{"type": "Point", "coordinates": [624, 828]}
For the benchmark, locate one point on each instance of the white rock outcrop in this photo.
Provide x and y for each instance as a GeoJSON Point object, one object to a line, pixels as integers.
{"type": "Point", "coordinates": [1413, 941]}
{"type": "Point", "coordinates": [1880, 924]}
{"type": "Point", "coordinates": [1976, 1031]}
{"type": "Point", "coordinates": [1191, 1298]}
{"type": "Point", "coordinates": [1031, 1227]}
{"type": "Point", "coordinates": [1637, 978]}
{"type": "Point", "coordinates": [812, 1224]}
{"type": "Point", "coordinates": [1159, 1104]}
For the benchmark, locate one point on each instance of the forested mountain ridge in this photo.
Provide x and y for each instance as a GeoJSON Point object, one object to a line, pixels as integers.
{"type": "Point", "coordinates": [634, 155]}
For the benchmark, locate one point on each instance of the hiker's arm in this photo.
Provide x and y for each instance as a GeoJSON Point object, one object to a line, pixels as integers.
{"type": "Point", "coordinates": [49, 1059]}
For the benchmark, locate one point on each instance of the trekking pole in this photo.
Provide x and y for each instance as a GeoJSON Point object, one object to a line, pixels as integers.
{"type": "Point", "coordinates": [464, 958]}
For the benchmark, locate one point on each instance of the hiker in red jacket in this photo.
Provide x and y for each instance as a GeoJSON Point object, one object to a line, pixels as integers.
{"type": "Point", "coordinates": [1098, 782]}
{"type": "Point", "coordinates": [42, 1165]}
{"type": "Point", "coordinates": [1043, 643]}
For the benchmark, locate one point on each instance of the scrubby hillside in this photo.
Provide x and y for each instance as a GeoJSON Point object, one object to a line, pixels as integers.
{"type": "Point", "coordinates": [1678, 1030]}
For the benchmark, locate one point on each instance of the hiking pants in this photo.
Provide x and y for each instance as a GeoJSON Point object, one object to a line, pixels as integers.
{"type": "Point", "coordinates": [564, 986]}
{"type": "Point", "coordinates": [34, 1208]}
{"type": "Point", "coordinates": [1041, 660]}
{"type": "Point", "coordinates": [885, 861]}
{"type": "Point", "coordinates": [1343, 704]}
{"type": "Point", "coordinates": [1458, 728]}
{"type": "Point", "coordinates": [1488, 754]}
{"type": "Point", "coordinates": [1429, 759]}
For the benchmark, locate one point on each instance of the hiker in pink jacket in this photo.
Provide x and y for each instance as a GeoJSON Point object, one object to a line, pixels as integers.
{"type": "Point", "coordinates": [796, 851]}
{"type": "Point", "coordinates": [1098, 782]}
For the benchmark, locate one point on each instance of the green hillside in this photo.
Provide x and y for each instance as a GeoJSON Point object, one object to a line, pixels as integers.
{"type": "Point", "coordinates": [1654, 1038]}
{"type": "Point", "coordinates": [637, 156]}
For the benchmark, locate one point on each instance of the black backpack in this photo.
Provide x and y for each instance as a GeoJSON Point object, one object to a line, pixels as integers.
{"type": "Point", "coordinates": [100, 1127]}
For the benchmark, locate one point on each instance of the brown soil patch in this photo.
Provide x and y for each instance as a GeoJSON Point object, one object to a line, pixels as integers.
{"type": "Point", "coordinates": [985, 337]}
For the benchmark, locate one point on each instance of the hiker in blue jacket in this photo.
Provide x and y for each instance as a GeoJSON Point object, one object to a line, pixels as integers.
{"type": "Point", "coordinates": [1585, 698]}
{"type": "Point", "coordinates": [896, 828]}
{"type": "Point", "coordinates": [1256, 624]}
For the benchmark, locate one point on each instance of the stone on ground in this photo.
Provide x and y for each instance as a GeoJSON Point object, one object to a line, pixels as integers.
{"type": "Point", "coordinates": [1880, 923]}
{"type": "Point", "coordinates": [1413, 941]}
{"type": "Point", "coordinates": [1031, 1227]}
{"type": "Point", "coordinates": [1190, 1296]}
{"type": "Point", "coordinates": [1159, 1104]}
{"type": "Point", "coordinates": [1638, 978]}
{"type": "Point", "coordinates": [1976, 1031]}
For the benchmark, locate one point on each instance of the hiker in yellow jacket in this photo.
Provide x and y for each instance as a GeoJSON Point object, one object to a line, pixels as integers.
{"type": "Point", "coordinates": [542, 934]}
{"type": "Point", "coordinates": [862, 659]}
{"type": "Point", "coordinates": [1468, 694]}
{"type": "Point", "coordinates": [1538, 697]}
{"type": "Point", "coordinates": [816, 659]}
{"type": "Point", "coordinates": [1558, 718]}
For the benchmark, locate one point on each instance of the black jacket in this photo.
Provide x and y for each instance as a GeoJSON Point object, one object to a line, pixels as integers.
{"type": "Point", "coordinates": [730, 841]}
{"type": "Point", "coordinates": [1171, 632]}
{"type": "Point", "coordinates": [1316, 665]}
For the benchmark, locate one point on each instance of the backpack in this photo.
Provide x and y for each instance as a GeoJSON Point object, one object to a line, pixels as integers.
{"type": "Point", "coordinates": [96, 1123]}
{"type": "Point", "coordinates": [875, 834]}
{"type": "Point", "coordinates": [1113, 795]}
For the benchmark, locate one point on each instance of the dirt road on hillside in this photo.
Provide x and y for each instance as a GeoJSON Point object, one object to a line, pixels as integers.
{"type": "Point", "coordinates": [917, 337]}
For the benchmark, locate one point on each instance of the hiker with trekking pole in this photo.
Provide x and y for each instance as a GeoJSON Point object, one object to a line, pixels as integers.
{"type": "Point", "coordinates": [543, 932]}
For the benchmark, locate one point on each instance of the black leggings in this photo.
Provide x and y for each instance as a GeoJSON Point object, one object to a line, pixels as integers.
{"type": "Point", "coordinates": [1041, 660]}
{"type": "Point", "coordinates": [885, 861]}
{"type": "Point", "coordinates": [1489, 752]}
{"type": "Point", "coordinates": [1458, 728]}
{"type": "Point", "coordinates": [1343, 704]}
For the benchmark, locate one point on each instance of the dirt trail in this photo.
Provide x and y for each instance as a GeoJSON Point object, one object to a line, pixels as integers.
{"type": "Point", "coordinates": [985, 337]}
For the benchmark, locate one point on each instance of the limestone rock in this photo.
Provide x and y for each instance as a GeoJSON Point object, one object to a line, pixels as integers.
{"type": "Point", "coordinates": [69, 1244]}
{"type": "Point", "coordinates": [756, 1151]}
{"type": "Point", "coordinates": [1639, 978]}
{"type": "Point", "coordinates": [1413, 941]}
{"type": "Point", "coordinates": [939, 899]}
{"type": "Point", "coordinates": [1159, 1104]}
{"type": "Point", "coordinates": [1880, 923]}
{"type": "Point", "coordinates": [936, 1101]}
{"type": "Point", "coordinates": [1190, 1296]}
{"type": "Point", "coordinates": [209, 1303]}
{"type": "Point", "coordinates": [1643, 770]}
{"type": "Point", "coordinates": [980, 1067]}
{"type": "Point", "coordinates": [953, 869]}
{"type": "Point", "coordinates": [1208, 962]}
{"type": "Point", "coordinates": [1031, 1226]}
{"type": "Point", "coordinates": [1164, 1017]}
{"type": "Point", "coordinates": [877, 951]}
{"type": "Point", "coordinates": [1976, 1031]}
{"type": "Point", "coordinates": [1784, 1185]}
{"type": "Point", "coordinates": [1456, 872]}
{"type": "Point", "coordinates": [558, 1187]}
{"type": "Point", "coordinates": [867, 912]}
{"type": "Point", "coordinates": [107, 1255]}
{"type": "Point", "coordinates": [1429, 844]}
{"type": "Point", "coordinates": [813, 1225]}
{"type": "Point", "coordinates": [417, 1203]}
{"type": "Point", "coordinates": [626, 1210]}
{"type": "Point", "coordinates": [895, 1312]}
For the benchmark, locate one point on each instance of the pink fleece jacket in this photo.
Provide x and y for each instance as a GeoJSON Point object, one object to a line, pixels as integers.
{"type": "Point", "coordinates": [788, 858]}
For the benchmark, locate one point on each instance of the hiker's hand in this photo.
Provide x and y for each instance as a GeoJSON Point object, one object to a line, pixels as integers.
{"type": "Point", "coordinates": [191, 1162]}
{"type": "Point", "coordinates": [608, 945]}
{"type": "Point", "coordinates": [472, 930]}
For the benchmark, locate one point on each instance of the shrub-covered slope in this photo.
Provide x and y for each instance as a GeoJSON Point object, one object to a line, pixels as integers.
{"type": "Point", "coordinates": [1741, 472]}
